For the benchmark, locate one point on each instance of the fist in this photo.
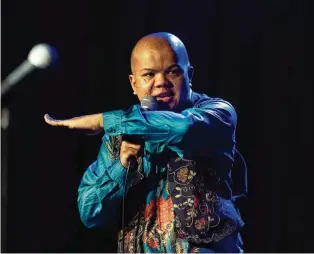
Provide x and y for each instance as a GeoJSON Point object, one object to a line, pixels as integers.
{"type": "Point", "coordinates": [128, 152]}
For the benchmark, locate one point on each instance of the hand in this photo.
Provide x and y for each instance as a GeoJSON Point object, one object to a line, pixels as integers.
{"type": "Point", "coordinates": [89, 124]}
{"type": "Point", "coordinates": [128, 152]}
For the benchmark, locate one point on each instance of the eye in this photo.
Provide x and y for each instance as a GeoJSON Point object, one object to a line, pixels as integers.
{"type": "Point", "coordinates": [148, 74]}
{"type": "Point", "coordinates": [175, 71]}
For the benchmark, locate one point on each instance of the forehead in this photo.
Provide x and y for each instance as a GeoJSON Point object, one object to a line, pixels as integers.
{"type": "Point", "coordinates": [157, 58]}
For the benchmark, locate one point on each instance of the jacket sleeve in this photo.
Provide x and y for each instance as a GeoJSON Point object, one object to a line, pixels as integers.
{"type": "Point", "coordinates": [209, 128]}
{"type": "Point", "coordinates": [101, 189]}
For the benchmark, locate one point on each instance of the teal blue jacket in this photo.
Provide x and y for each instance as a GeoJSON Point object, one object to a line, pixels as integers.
{"type": "Point", "coordinates": [207, 127]}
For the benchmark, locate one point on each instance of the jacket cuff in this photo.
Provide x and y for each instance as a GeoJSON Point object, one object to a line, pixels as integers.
{"type": "Point", "coordinates": [112, 121]}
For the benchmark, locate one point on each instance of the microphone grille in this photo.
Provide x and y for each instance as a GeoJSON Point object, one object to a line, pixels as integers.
{"type": "Point", "coordinates": [149, 103]}
{"type": "Point", "coordinates": [42, 55]}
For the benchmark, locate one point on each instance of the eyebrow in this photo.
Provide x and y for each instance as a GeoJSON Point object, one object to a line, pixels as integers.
{"type": "Point", "coordinates": [148, 69]}
{"type": "Point", "coordinates": [173, 65]}
{"type": "Point", "coordinates": [168, 68]}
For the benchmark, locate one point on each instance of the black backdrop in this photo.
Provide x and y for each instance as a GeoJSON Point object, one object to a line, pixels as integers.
{"type": "Point", "coordinates": [253, 53]}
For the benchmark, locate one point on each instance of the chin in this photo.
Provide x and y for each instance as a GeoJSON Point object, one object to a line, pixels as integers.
{"type": "Point", "coordinates": [172, 107]}
{"type": "Point", "coordinates": [167, 106]}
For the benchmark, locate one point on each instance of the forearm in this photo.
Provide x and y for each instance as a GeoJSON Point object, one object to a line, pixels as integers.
{"type": "Point", "coordinates": [193, 130]}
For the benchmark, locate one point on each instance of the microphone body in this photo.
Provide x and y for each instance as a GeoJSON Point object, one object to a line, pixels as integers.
{"type": "Point", "coordinates": [149, 103]}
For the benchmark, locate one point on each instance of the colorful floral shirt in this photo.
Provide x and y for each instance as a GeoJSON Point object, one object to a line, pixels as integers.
{"type": "Point", "coordinates": [179, 198]}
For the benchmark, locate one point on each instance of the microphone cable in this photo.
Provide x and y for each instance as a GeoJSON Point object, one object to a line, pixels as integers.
{"type": "Point", "coordinates": [123, 205]}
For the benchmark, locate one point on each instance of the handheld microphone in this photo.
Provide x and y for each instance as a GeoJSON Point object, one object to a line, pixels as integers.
{"type": "Point", "coordinates": [149, 103]}
{"type": "Point", "coordinates": [40, 56]}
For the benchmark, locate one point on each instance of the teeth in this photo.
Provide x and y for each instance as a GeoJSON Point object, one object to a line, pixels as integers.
{"type": "Point", "coordinates": [164, 95]}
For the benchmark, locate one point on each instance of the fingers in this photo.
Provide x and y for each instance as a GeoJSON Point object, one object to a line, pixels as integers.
{"type": "Point", "coordinates": [51, 121]}
{"type": "Point", "coordinates": [128, 144]}
{"type": "Point", "coordinates": [131, 153]}
{"type": "Point", "coordinates": [130, 150]}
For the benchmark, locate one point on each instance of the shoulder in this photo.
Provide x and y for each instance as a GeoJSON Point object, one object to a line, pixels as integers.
{"type": "Point", "coordinates": [204, 101]}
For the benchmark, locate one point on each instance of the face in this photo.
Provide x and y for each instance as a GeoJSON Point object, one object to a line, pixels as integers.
{"type": "Point", "coordinates": [163, 74]}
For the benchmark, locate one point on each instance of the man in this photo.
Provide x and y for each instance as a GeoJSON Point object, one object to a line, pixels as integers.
{"type": "Point", "coordinates": [178, 191]}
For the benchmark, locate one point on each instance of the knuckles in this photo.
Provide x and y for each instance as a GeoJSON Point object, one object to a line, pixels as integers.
{"type": "Point", "coordinates": [129, 149]}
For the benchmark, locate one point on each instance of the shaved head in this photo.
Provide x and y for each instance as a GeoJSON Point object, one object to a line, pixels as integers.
{"type": "Point", "coordinates": [161, 68]}
{"type": "Point", "coordinates": [158, 41]}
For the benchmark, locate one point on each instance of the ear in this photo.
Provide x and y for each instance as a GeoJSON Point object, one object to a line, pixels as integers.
{"type": "Point", "coordinates": [190, 73]}
{"type": "Point", "coordinates": [133, 83]}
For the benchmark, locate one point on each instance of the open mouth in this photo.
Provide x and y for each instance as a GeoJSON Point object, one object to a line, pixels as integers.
{"type": "Point", "coordinates": [165, 97]}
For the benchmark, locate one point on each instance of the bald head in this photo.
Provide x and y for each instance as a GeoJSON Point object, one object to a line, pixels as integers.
{"type": "Point", "coordinates": [159, 41]}
{"type": "Point", "coordinates": [160, 68]}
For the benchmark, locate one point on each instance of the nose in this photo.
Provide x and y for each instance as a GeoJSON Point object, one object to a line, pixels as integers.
{"type": "Point", "coordinates": [161, 80]}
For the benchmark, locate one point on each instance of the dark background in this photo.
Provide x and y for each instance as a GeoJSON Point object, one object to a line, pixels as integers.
{"type": "Point", "coordinates": [255, 54]}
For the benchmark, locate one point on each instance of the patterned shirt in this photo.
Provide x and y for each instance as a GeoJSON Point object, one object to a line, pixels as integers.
{"type": "Point", "coordinates": [179, 199]}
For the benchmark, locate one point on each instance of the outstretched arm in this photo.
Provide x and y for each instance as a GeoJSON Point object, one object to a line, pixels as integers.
{"type": "Point", "coordinates": [90, 124]}
{"type": "Point", "coordinates": [209, 128]}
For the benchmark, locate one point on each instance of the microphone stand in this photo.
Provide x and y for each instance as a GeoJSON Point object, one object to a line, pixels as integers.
{"type": "Point", "coordinates": [4, 176]}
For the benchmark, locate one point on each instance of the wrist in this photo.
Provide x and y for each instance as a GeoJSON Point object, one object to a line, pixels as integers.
{"type": "Point", "coordinates": [100, 120]}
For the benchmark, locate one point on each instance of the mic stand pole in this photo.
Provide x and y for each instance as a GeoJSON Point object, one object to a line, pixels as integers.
{"type": "Point", "coordinates": [4, 177]}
